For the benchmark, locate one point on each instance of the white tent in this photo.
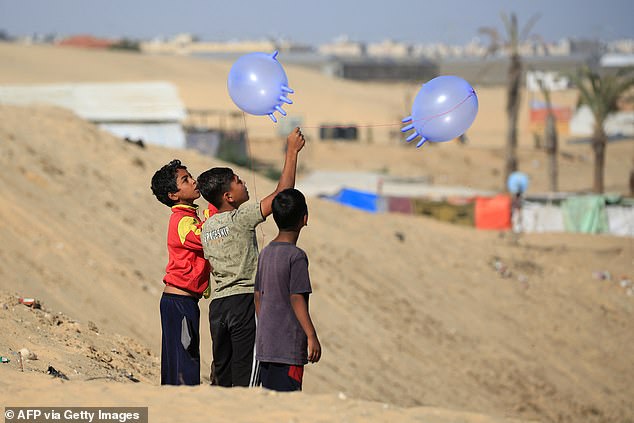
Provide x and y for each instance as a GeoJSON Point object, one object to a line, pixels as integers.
{"type": "Point", "coordinates": [620, 123]}
{"type": "Point", "coordinates": [149, 111]}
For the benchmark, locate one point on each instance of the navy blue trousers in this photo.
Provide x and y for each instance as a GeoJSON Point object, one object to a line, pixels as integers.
{"type": "Point", "coordinates": [180, 351]}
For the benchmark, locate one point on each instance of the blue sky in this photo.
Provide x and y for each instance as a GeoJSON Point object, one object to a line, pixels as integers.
{"type": "Point", "coordinates": [315, 21]}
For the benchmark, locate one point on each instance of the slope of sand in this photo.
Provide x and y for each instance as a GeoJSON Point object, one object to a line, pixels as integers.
{"type": "Point", "coordinates": [411, 312]}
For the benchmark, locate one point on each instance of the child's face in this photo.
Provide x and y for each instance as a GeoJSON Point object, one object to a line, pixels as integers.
{"type": "Point", "coordinates": [187, 188]}
{"type": "Point", "coordinates": [238, 190]}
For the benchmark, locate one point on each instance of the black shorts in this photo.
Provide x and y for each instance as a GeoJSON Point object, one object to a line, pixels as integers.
{"type": "Point", "coordinates": [281, 377]}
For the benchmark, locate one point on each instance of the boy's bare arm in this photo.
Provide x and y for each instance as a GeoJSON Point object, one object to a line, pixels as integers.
{"type": "Point", "coordinates": [300, 307]}
{"type": "Point", "coordinates": [256, 299]}
{"type": "Point", "coordinates": [294, 143]}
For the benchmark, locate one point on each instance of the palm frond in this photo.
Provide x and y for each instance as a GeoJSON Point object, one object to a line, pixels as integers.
{"type": "Point", "coordinates": [506, 20]}
{"type": "Point", "coordinates": [529, 26]}
{"type": "Point", "coordinates": [495, 43]}
{"type": "Point", "coordinates": [601, 93]}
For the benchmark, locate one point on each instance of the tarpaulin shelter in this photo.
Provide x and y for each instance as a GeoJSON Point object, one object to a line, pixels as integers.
{"type": "Point", "coordinates": [493, 212]}
{"type": "Point", "coordinates": [358, 199]}
{"type": "Point", "coordinates": [585, 214]}
{"type": "Point", "coordinates": [460, 214]}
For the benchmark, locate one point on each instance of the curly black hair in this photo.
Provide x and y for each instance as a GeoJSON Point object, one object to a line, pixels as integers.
{"type": "Point", "coordinates": [213, 183]}
{"type": "Point", "coordinates": [164, 182]}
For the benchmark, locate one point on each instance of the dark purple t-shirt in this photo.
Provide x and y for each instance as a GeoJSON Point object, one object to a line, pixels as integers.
{"type": "Point", "coordinates": [282, 271]}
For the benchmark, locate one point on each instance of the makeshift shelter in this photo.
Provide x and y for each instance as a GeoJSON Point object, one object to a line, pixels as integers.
{"type": "Point", "coordinates": [585, 214]}
{"type": "Point", "coordinates": [545, 212]}
{"type": "Point", "coordinates": [493, 212]}
{"type": "Point", "coordinates": [403, 205]}
{"type": "Point", "coordinates": [620, 220]}
{"type": "Point", "coordinates": [456, 213]}
{"type": "Point", "coordinates": [536, 217]}
{"type": "Point", "coordinates": [147, 111]}
{"type": "Point", "coordinates": [358, 199]}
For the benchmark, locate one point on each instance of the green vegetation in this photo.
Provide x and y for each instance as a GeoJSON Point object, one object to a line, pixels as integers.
{"type": "Point", "coordinates": [126, 44]}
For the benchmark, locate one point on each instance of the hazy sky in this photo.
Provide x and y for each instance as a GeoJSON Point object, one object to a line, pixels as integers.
{"type": "Point", "coordinates": [315, 21]}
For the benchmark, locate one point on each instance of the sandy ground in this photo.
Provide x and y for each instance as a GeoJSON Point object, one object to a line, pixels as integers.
{"type": "Point", "coordinates": [415, 321]}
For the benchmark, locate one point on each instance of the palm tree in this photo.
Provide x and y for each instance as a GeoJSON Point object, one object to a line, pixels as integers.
{"type": "Point", "coordinates": [601, 94]}
{"type": "Point", "coordinates": [551, 138]}
{"type": "Point", "coordinates": [511, 44]}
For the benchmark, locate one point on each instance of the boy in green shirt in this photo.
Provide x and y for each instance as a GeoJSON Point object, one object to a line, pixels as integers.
{"type": "Point", "coordinates": [230, 244]}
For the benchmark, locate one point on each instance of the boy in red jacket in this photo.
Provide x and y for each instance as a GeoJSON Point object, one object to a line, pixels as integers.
{"type": "Point", "coordinates": [186, 276]}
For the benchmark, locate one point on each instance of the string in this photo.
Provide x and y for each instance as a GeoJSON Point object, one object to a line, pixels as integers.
{"type": "Point", "coordinates": [450, 110]}
{"type": "Point", "coordinates": [425, 119]}
{"type": "Point", "coordinates": [251, 166]}
{"type": "Point", "coordinates": [250, 154]}
{"type": "Point", "coordinates": [376, 125]}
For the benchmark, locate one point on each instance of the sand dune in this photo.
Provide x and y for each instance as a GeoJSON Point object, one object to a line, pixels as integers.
{"type": "Point", "coordinates": [415, 321]}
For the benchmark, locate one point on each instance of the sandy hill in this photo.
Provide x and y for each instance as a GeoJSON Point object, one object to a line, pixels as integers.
{"type": "Point", "coordinates": [414, 318]}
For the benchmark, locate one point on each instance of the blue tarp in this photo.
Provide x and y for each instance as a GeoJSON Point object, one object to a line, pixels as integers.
{"type": "Point", "coordinates": [358, 199]}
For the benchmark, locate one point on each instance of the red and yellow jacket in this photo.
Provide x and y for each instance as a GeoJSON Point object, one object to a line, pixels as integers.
{"type": "Point", "coordinates": [187, 267]}
{"type": "Point", "coordinates": [210, 211]}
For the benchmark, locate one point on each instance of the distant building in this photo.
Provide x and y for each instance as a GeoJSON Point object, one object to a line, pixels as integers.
{"type": "Point", "coordinates": [140, 111]}
{"type": "Point", "coordinates": [86, 41]}
{"type": "Point", "coordinates": [389, 48]}
{"type": "Point", "coordinates": [187, 44]}
{"type": "Point", "coordinates": [624, 46]}
{"type": "Point", "coordinates": [185, 47]}
{"type": "Point", "coordinates": [618, 124]}
{"type": "Point", "coordinates": [364, 69]}
{"type": "Point", "coordinates": [617, 60]}
{"type": "Point", "coordinates": [494, 70]}
{"type": "Point", "coordinates": [343, 47]}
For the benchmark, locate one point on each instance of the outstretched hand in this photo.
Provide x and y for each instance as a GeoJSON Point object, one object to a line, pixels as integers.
{"type": "Point", "coordinates": [294, 143]}
{"type": "Point", "coordinates": [295, 140]}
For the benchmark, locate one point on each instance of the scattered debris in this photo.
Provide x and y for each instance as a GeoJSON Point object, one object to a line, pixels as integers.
{"type": "Point", "coordinates": [20, 362]}
{"type": "Point", "coordinates": [501, 268]}
{"type": "Point", "coordinates": [27, 355]}
{"type": "Point", "coordinates": [130, 376]}
{"type": "Point", "coordinates": [624, 281]}
{"type": "Point", "coordinates": [30, 302]}
{"type": "Point", "coordinates": [602, 275]}
{"type": "Point", "coordinates": [93, 327]}
{"type": "Point", "coordinates": [139, 142]}
{"type": "Point", "coordinates": [56, 373]}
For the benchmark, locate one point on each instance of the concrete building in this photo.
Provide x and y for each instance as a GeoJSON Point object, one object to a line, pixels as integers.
{"type": "Point", "coordinates": [343, 47]}
{"type": "Point", "coordinates": [366, 69]}
{"type": "Point", "coordinates": [186, 44]}
{"type": "Point", "coordinates": [494, 70]}
{"type": "Point", "coordinates": [391, 49]}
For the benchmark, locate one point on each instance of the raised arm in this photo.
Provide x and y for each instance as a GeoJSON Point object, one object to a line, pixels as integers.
{"type": "Point", "coordinates": [300, 307]}
{"type": "Point", "coordinates": [294, 143]}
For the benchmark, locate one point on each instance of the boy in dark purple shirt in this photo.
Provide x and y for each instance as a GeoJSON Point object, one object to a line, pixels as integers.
{"type": "Point", "coordinates": [286, 339]}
